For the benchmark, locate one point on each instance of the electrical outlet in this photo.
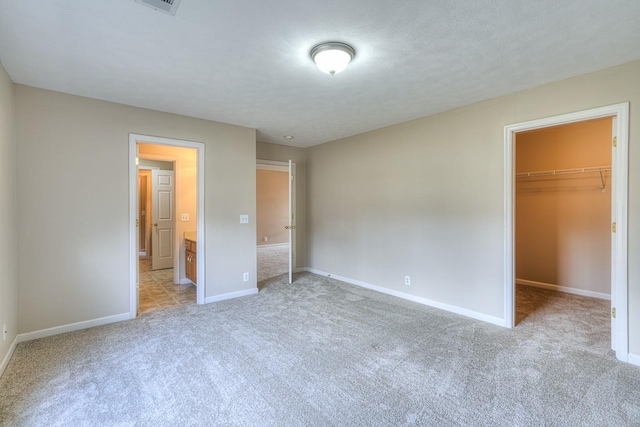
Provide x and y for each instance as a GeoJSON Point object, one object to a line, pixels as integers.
{"type": "Point", "coordinates": [4, 332]}
{"type": "Point", "coordinates": [407, 280]}
{"type": "Point", "coordinates": [244, 219]}
{"type": "Point", "coordinates": [245, 277]}
{"type": "Point", "coordinates": [184, 217]}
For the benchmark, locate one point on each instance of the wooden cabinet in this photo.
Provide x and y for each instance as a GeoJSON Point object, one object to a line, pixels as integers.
{"type": "Point", "coordinates": [190, 260]}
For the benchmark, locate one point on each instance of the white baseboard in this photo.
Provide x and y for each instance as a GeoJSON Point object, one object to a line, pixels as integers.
{"type": "Point", "coordinates": [633, 359]}
{"type": "Point", "coordinates": [72, 327]}
{"type": "Point", "coordinates": [300, 270]}
{"type": "Point", "coordinates": [275, 245]}
{"type": "Point", "coordinates": [425, 301]}
{"type": "Point", "coordinates": [7, 357]}
{"type": "Point", "coordinates": [186, 281]}
{"type": "Point", "coordinates": [231, 295]}
{"type": "Point", "coordinates": [563, 289]}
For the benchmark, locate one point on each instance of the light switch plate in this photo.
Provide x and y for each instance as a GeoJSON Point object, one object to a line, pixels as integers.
{"type": "Point", "coordinates": [184, 217]}
{"type": "Point", "coordinates": [244, 219]}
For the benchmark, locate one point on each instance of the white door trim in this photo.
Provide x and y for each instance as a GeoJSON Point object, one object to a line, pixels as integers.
{"type": "Point", "coordinates": [133, 191]}
{"type": "Point", "coordinates": [619, 201]}
{"type": "Point", "coordinates": [271, 167]}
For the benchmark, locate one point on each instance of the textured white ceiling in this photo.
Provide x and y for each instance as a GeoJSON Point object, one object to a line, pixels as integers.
{"type": "Point", "coordinates": [247, 62]}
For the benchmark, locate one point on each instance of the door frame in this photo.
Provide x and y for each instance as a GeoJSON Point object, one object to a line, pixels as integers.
{"type": "Point", "coordinates": [134, 139]}
{"type": "Point", "coordinates": [619, 203]}
{"type": "Point", "coordinates": [284, 167]}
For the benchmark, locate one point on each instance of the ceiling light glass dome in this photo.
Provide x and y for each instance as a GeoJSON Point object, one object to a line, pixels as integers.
{"type": "Point", "coordinates": [332, 57]}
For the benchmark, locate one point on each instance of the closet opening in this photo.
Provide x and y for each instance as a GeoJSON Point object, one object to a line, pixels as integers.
{"type": "Point", "coordinates": [562, 227]}
{"type": "Point", "coordinates": [566, 227]}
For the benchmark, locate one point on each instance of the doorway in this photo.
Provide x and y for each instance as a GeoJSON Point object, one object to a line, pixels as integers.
{"type": "Point", "coordinates": [178, 215]}
{"type": "Point", "coordinates": [159, 279]}
{"type": "Point", "coordinates": [618, 115]}
{"type": "Point", "coordinates": [275, 220]}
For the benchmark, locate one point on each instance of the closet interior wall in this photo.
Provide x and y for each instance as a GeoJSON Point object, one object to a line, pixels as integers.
{"type": "Point", "coordinates": [563, 221]}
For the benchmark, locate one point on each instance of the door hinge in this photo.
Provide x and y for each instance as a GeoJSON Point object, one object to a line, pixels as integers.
{"type": "Point", "coordinates": [613, 227]}
{"type": "Point", "coordinates": [137, 223]}
{"type": "Point", "coordinates": [615, 141]}
{"type": "Point", "coordinates": [613, 312]}
{"type": "Point", "coordinates": [291, 177]}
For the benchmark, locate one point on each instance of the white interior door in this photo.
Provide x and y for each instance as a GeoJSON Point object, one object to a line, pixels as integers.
{"type": "Point", "coordinates": [163, 217]}
{"type": "Point", "coordinates": [136, 303]}
{"type": "Point", "coordinates": [292, 223]}
{"type": "Point", "coordinates": [614, 189]}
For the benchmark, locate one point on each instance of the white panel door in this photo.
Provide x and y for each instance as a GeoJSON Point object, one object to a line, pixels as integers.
{"type": "Point", "coordinates": [163, 217]}
{"type": "Point", "coordinates": [614, 189]}
{"type": "Point", "coordinates": [137, 299]}
{"type": "Point", "coordinates": [292, 224]}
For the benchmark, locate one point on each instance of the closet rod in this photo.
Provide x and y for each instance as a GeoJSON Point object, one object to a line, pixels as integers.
{"type": "Point", "coordinates": [564, 171]}
{"type": "Point", "coordinates": [593, 169]}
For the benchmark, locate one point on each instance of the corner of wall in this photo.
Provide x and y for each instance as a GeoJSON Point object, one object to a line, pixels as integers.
{"type": "Point", "coordinates": [8, 219]}
{"type": "Point", "coordinates": [7, 357]}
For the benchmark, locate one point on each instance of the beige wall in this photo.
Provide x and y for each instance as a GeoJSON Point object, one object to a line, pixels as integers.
{"type": "Point", "coordinates": [186, 175]}
{"type": "Point", "coordinates": [282, 153]}
{"type": "Point", "coordinates": [272, 207]}
{"type": "Point", "coordinates": [563, 222]}
{"type": "Point", "coordinates": [8, 219]}
{"type": "Point", "coordinates": [73, 257]}
{"type": "Point", "coordinates": [426, 198]}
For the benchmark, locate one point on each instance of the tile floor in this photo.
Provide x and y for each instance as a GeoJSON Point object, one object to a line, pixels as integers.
{"type": "Point", "coordinates": [157, 291]}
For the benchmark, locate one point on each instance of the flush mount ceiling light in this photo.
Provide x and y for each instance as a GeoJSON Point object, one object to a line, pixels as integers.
{"type": "Point", "coordinates": [332, 57]}
{"type": "Point", "coordinates": [288, 137]}
{"type": "Point", "coordinates": [166, 6]}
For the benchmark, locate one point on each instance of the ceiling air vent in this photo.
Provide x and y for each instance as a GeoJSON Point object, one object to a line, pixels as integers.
{"type": "Point", "coordinates": [166, 6]}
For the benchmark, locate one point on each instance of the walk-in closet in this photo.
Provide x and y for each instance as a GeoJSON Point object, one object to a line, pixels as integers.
{"type": "Point", "coordinates": [563, 224]}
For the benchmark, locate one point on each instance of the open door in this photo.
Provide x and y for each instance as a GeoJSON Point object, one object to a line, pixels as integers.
{"type": "Point", "coordinates": [292, 224]}
{"type": "Point", "coordinates": [162, 207]}
{"type": "Point", "coordinates": [135, 303]}
{"type": "Point", "coordinates": [144, 212]}
{"type": "Point", "coordinates": [614, 207]}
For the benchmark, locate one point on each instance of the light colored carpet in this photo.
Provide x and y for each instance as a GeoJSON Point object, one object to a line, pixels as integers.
{"type": "Point", "coordinates": [323, 353]}
{"type": "Point", "coordinates": [272, 261]}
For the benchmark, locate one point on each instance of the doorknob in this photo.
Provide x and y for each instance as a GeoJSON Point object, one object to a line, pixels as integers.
{"type": "Point", "coordinates": [155, 225]}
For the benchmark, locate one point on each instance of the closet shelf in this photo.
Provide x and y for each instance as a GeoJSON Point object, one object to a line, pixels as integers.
{"type": "Point", "coordinates": [592, 169]}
